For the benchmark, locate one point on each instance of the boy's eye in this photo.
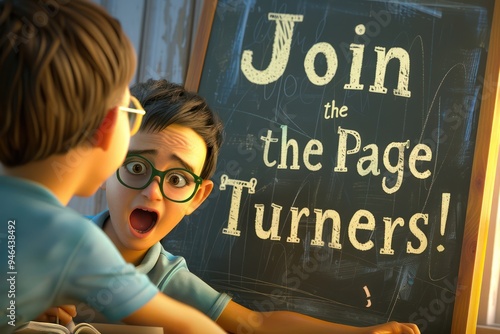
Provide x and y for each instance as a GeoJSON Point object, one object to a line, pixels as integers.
{"type": "Point", "coordinates": [136, 167]}
{"type": "Point", "coordinates": [177, 180]}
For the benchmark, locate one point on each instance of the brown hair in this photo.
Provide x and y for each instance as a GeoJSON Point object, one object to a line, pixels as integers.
{"type": "Point", "coordinates": [63, 64]}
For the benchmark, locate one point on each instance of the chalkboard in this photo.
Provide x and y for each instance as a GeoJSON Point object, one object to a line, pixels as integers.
{"type": "Point", "coordinates": [352, 184]}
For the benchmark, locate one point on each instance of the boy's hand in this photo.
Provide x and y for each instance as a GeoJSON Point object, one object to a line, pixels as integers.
{"type": "Point", "coordinates": [392, 327]}
{"type": "Point", "coordinates": [62, 314]}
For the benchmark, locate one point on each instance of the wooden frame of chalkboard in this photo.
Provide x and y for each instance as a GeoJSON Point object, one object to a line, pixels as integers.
{"type": "Point", "coordinates": [475, 118]}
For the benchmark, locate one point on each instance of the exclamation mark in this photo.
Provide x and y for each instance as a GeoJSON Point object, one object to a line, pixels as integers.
{"type": "Point", "coordinates": [445, 204]}
{"type": "Point", "coordinates": [368, 301]}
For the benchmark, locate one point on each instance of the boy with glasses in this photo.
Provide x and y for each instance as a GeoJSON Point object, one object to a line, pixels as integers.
{"type": "Point", "coordinates": [165, 176]}
{"type": "Point", "coordinates": [65, 124]}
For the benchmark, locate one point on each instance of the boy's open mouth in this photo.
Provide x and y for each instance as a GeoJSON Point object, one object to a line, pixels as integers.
{"type": "Point", "coordinates": [142, 220]}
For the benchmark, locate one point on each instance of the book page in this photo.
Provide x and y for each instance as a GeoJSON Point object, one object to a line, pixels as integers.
{"type": "Point", "coordinates": [35, 327]}
{"type": "Point", "coordinates": [126, 329]}
{"type": "Point", "coordinates": [85, 328]}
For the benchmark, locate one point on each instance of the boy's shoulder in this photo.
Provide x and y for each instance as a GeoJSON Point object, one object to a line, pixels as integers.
{"type": "Point", "coordinates": [40, 219]}
{"type": "Point", "coordinates": [13, 188]}
{"type": "Point", "coordinates": [29, 201]}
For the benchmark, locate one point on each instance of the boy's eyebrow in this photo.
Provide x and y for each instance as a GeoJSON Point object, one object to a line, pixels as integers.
{"type": "Point", "coordinates": [155, 153]}
{"type": "Point", "coordinates": [141, 152]}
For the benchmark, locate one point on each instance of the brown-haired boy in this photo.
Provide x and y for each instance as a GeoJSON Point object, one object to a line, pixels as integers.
{"type": "Point", "coordinates": [166, 176]}
{"type": "Point", "coordinates": [65, 127]}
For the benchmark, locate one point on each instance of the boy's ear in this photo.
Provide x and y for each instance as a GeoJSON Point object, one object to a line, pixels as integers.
{"type": "Point", "coordinates": [104, 133]}
{"type": "Point", "coordinates": [201, 195]}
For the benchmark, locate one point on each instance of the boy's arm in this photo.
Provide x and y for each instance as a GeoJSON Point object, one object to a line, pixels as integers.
{"type": "Point", "coordinates": [173, 316]}
{"type": "Point", "coordinates": [236, 319]}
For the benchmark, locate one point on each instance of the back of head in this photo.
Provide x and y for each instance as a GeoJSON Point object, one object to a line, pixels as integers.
{"type": "Point", "coordinates": [63, 64]}
{"type": "Point", "coordinates": [167, 103]}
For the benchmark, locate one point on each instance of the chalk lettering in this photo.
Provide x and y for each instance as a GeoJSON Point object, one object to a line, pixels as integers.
{"type": "Point", "coordinates": [281, 53]}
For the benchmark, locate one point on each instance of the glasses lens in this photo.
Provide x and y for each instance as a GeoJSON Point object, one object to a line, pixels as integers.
{"type": "Point", "coordinates": [179, 184]}
{"type": "Point", "coordinates": [135, 172]}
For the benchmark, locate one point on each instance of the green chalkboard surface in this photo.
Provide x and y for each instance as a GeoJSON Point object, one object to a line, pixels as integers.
{"type": "Point", "coordinates": [343, 185]}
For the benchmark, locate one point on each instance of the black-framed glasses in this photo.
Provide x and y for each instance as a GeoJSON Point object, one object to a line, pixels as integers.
{"type": "Point", "coordinates": [176, 184]}
{"type": "Point", "coordinates": [135, 113]}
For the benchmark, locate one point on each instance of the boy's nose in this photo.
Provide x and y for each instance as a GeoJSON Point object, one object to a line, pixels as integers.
{"type": "Point", "coordinates": [153, 191]}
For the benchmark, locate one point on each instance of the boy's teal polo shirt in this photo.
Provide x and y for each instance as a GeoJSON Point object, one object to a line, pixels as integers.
{"type": "Point", "coordinates": [59, 258]}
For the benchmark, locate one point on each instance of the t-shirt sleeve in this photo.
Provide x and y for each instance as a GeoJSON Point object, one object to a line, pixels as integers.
{"type": "Point", "coordinates": [99, 275]}
{"type": "Point", "coordinates": [188, 288]}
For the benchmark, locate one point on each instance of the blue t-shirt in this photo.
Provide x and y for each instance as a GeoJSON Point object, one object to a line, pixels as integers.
{"type": "Point", "coordinates": [58, 257]}
{"type": "Point", "coordinates": [170, 273]}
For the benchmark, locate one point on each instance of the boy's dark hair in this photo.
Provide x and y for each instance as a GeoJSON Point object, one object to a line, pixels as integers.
{"type": "Point", "coordinates": [63, 64]}
{"type": "Point", "coordinates": [167, 103]}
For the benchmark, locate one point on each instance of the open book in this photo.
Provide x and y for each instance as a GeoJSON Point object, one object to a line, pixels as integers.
{"type": "Point", "coordinates": [35, 327]}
